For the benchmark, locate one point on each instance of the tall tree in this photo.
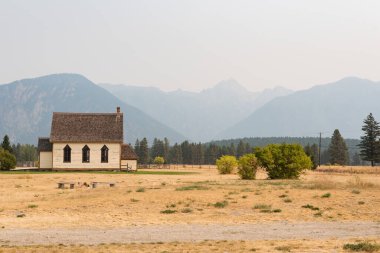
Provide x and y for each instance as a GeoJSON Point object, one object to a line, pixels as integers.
{"type": "Point", "coordinates": [369, 145]}
{"type": "Point", "coordinates": [144, 151]}
{"type": "Point", "coordinates": [312, 152]}
{"type": "Point", "coordinates": [6, 145]}
{"type": "Point", "coordinates": [240, 151]}
{"type": "Point", "coordinates": [137, 149]}
{"type": "Point", "coordinates": [338, 152]}
{"type": "Point", "coordinates": [166, 149]}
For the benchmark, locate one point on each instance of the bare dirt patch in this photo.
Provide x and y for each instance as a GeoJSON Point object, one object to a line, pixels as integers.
{"type": "Point", "coordinates": [32, 202]}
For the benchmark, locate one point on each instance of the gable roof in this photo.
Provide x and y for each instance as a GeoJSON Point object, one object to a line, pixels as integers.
{"type": "Point", "coordinates": [87, 127]}
{"type": "Point", "coordinates": [44, 145]}
{"type": "Point", "coordinates": [127, 153]}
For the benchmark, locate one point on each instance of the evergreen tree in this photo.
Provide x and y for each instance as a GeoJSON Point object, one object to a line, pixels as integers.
{"type": "Point", "coordinates": [137, 149]}
{"type": "Point", "coordinates": [186, 152]}
{"type": "Point", "coordinates": [166, 149]}
{"type": "Point", "coordinates": [356, 159]}
{"type": "Point", "coordinates": [144, 151]}
{"type": "Point", "coordinates": [369, 145]}
{"type": "Point", "coordinates": [6, 145]}
{"type": "Point", "coordinates": [175, 154]}
{"type": "Point", "coordinates": [338, 149]}
{"type": "Point", "coordinates": [312, 152]}
{"type": "Point", "coordinates": [240, 151]}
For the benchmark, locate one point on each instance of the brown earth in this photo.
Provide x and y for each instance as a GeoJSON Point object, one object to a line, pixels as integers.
{"type": "Point", "coordinates": [205, 199]}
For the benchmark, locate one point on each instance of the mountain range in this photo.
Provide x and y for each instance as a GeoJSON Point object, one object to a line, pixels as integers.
{"type": "Point", "coordinates": [227, 110]}
{"type": "Point", "coordinates": [340, 105]}
{"type": "Point", "coordinates": [200, 116]}
{"type": "Point", "coordinates": [26, 108]}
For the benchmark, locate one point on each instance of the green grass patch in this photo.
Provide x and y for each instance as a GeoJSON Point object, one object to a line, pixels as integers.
{"type": "Point", "coordinates": [32, 206]}
{"type": "Point", "coordinates": [186, 210]}
{"type": "Point", "coordinates": [222, 204]}
{"type": "Point", "coordinates": [283, 248]}
{"type": "Point", "coordinates": [168, 211]}
{"type": "Point", "coordinates": [139, 172]}
{"type": "Point", "coordinates": [283, 196]}
{"type": "Point", "coordinates": [362, 247]}
{"type": "Point", "coordinates": [287, 200]}
{"type": "Point", "coordinates": [311, 207]}
{"type": "Point", "coordinates": [191, 188]}
{"type": "Point", "coordinates": [262, 206]}
{"type": "Point", "coordinates": [141, 189]}
{"type": "Point", "coordinates": [326, 195]}
{"type": "Point", "coordinates": [361, 202]}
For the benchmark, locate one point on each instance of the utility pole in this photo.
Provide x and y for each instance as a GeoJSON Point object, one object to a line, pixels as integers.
{"type": "Point", "coordinates": [319, 150]}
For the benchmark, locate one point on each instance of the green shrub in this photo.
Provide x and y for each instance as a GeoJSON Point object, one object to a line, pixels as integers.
{"type": "Point", "coordinates": [226, 164]}
{"type": "Point", "coordinates": [168, 211]}
{"type": "Point", "coordinates": [311, 207]}
{"type": "Point", "coordinates": [262, 206]}
{"type": "Point", "coordinates": [186, 210]}
{"type": "Point", "coordinates": [362, 246]}
{"type": "Point", "coordinates": [222, 204]}
{"type": "Point", "coordinates": [191, 187]}
{"type": "Point", "coordinates": [7, 160]}
{"type": "Point", "coordinates": [247, 166]}
{"type": "Point", "coordinates": [283, 161]}
{"type": "Point", "coordinates": [326, 195]}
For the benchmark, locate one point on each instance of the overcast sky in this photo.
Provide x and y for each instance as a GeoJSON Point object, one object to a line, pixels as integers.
{"type": "Point", "coordinates": [192, 44]}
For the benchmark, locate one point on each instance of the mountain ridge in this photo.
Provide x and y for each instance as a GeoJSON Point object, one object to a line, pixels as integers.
{"type": "Point", "coordinates": [321, 108]}
{"type": "Point", "coordinates": [33, 100]}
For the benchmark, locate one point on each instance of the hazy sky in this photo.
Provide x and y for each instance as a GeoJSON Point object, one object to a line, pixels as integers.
{"type": "Point", "coordinates": [192, 44]}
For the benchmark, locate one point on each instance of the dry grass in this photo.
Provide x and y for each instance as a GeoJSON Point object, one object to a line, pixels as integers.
{"type": "Point", "coordinates": [321, 246]}
{"type": "Point", "coordinates": [349, 169]}
{"type": "Point", "coordinates": [125, 205]}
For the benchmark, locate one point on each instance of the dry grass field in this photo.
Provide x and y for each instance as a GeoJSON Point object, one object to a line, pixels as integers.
{"type": "Point", "coordinates": [186, 196]}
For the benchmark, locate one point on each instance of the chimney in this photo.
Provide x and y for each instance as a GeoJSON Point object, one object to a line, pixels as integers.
{"type": "Point", "coordinates": [117, 114]}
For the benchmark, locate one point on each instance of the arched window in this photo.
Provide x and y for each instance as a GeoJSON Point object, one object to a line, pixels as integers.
{"type": "Point", "coordinates": [104, 154]}
{"type": "Point", "coordinates": [85, 154]}
{"type": "Point", "coordinates": [67, 154]}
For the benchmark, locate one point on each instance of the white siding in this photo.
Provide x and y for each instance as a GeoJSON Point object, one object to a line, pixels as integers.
{"type": "Point", "coordinates": [46, 160]}
{"type": "Point", "coordinates": [128, 164]}
{"type": "Point", "coordinates": [95, 156]}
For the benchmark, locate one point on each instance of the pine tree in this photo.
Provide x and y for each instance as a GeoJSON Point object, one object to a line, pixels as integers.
{"type": "Point", "coordinates": [369, 145]}
{"type": "Point", "coordinates": [6, 145]}
{"type": "Point", "coordinates": [338, 151]}
{"type": "Point", "coordinates": [137, 149]}
{"type": "Point", "coordinates": [240, 151]}
{"type": "Point", "coordinates": [144, 151]}
{"type": "Point", "coordinates": [312, 152]}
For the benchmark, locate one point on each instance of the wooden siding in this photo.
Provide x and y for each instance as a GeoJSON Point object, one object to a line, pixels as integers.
{"type": "Point", "coordinates": [95, 156]}
{"type": "Point", "coordinates": [46, 160]}
{"type": "Point", "coordinates": [128, 164]}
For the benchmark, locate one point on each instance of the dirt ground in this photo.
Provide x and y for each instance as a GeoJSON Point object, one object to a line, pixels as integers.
{"type": "Point", "coordinates": [32, 202]}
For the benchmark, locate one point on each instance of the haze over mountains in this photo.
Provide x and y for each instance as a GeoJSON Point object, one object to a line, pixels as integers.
{"type": "Point", "coordinates": [200, 116]}
{"type": "Point", "coordinates": [26, 108]}
{"type": "Point", "coordinates": [227, 110]}
{"type": "Point", "coordinates": [323, 108]}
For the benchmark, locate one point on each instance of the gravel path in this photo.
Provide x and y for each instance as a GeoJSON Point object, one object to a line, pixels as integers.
{"type": "Point", "coordinates": [168, 233]}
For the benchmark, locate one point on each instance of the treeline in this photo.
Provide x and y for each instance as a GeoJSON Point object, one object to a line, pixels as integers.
{"type": "Point", "coordinates": [19, 154]}
{"type": "Point", "coordinates": [207, 153]}
{"type": "Point", "coordinates": [187, 152]}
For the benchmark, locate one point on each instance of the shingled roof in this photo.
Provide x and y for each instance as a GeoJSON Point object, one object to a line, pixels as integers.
{"type": "Point", "coordinates": [44, 145]}
{"type": "Point", "coordinates": [87, 127]}
{"type": "Point", "coordinates": [127, 153]}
